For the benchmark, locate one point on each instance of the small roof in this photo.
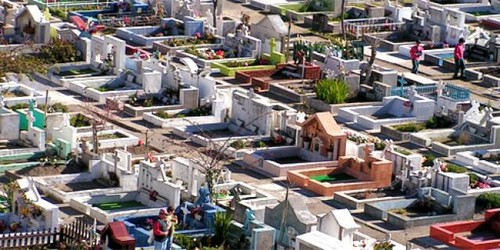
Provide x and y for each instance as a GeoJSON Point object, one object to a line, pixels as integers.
{"type": "Point", "coordinates": [35, 13]}
{"type": "Point", "coordinates": [277, 23]}
{"type": "Point", "coordinates": [326, 121]}
{"type": "Point", "coordinates": [344, 219]}
{"type": "Point", "coordinates": [322, 241]}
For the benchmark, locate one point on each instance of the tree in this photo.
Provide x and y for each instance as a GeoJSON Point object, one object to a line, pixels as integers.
{"type": "Point", "coordinates": [58, 51]}
{"type": "Point", "coordinates": [374, 44]}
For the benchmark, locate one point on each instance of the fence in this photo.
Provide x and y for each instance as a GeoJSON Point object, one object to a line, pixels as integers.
{"type": "Point", "coordinates": [452, 91]}
{"type": "Point", "coordinates": [71, 235]}
{"type": "Point", "coordinates": [358, 27]}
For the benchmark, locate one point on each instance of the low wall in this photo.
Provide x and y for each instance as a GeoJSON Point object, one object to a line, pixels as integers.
{"type": "Point", "coordinates": [334, 108]}
{"type": "Point", "coordinates": [345, 198]}
{"type": "Point", "coordinates": [468, 159]}
{"type": "Point", "coordinates": [176, 122]}
{"type": "Point", "coordinates": [405, 222]}
{"type": "Point", "coordinates": [379, 209]}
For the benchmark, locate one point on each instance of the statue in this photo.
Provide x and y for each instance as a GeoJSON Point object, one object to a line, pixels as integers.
{"type": "Point", "coordinates": [249, 216]}
{"type": "Point", "coordinates": [31, 119]}
{"type": "Point", "coordinates": [436, 165]}
{"type": "Point", "coordinates": [203, 196]}
{"type": "Point", "coordinates": [388, 146]}
{"type": "Point", "coordinates": [210, 18]}
{"type": "Point", "coordinates": [488, 115]}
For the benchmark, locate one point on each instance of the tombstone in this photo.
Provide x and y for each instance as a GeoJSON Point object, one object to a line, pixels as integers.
{"type": "Point", "coordinates": [2, 101]}
{"type": "Point", "coordinates": [320, 22]}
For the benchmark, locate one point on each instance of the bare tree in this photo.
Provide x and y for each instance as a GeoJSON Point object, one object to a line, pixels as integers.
{"type": "Point", "coordinates": [98, 119]}
{"type": "Point", "coordinates": [374, 44]}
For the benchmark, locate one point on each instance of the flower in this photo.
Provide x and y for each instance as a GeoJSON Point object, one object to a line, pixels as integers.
{"type": "Point", "coordinates": [197, 35]}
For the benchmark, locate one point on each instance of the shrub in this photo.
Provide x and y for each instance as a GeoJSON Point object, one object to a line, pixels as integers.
{"type": "Point", "coordinates": [429, 160]}
{"type": "Point", "coordinates": [79, 120]}
{"type": "Point", "coordinates": [222, 223]}
{"type": "Point", "coordinates": [239, 144]}
{"type": "Point", "coordinates": [453, 168]}
{"type": "Point", "coordinates": [54, 108]}
{"type": "Point", "coordinates": [488, 200]}
{"type": "Point", "coordinates": [332, 91]}
{"type": "Point", "coordinates": [473, 178]}
{"type": "Point", "coordinates": [438, 122]}
{"type": "Point", "coordinates": [19, 106]}
{"type": "Point", "coordinates": [162, 114]}
{"type": "Point", "coordinates": [58, 51]}
{"type": "Point", "coordinates": [260, 144]}
{"type": "Point", "coordinates": [410, 127]}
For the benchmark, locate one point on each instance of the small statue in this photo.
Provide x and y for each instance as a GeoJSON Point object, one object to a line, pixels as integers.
{"type": "Point", "coordinates": [203, 196]}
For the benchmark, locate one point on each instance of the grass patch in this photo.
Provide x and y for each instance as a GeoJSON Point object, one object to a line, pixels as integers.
{"type": "Point", "coordinates": [79, 121]}
{"type": "Point", "coordinates": [111, 136]}
{"type": "Point", "coordinates": [333, 177]}
{"type": "Point", "coordinates": [488, 200]}
{"type": "Point", "coordinates": [410, 127]}
{"type": "Point", "coordinates": [118, 205]}
{"type": "Point", "coordinates": [453, 168]}
{"type": "Point", "coordinates": [402, 151]}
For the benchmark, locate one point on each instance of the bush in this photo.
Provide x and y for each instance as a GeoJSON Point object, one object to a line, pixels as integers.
{"type": "Point", "coordinates": [58, 51]}
{"type": "Point", "coordinates": [79, 120]}
{"type": "Point", "coordinates": [488, 200]}
{"type": "Point", "coordinates": [453, 168]}
{"type": "Point", "coordinates": [19, 106]}
{"type": "Point", "coordinates": [410, 127]}
{"type": "Point", "coordinates": [239, 144]}
{"type": "Point", "coordinates": [54, 108]}
{"type": "Point", "coordinates": [437, 122]}
{"type": "Point", "coordinates": [473, 178]}
{"type": "Point", "coordinates": [429, 160]}
{"type": "Point", "coordinates": [332, 91]}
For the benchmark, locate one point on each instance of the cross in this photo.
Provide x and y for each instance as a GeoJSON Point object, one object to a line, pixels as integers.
{"type": "Point", "coordinates": [272, 44]}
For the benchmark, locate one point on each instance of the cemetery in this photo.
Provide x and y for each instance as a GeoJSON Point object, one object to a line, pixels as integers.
{"type": "Point", "coordinates": [258, 127]}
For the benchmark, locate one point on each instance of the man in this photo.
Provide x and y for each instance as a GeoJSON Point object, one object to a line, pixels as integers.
{"type": "Point", "coordinates": [459, 59]}
{"type": "Point", "coordinates": [171, 222]}
{"type": "Point", "coordinates": [160, 231]}
{"type": "Point", "coordinates": [415, 54]}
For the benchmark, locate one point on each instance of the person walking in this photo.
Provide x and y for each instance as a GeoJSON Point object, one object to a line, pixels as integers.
{"type": "Point", "coordinates": [459, 59]}
{"type": "Point", "coordinates": [415, 54]}
{"type": "Point", "coordinates": [160, 231]}
{"type": "Point", "coordinates": [171, 222]}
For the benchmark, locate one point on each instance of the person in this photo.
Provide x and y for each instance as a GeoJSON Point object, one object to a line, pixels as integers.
{"type": "Point", "coordinates": [160, 231]}
{"type": "Point", "coordinates": [171, 221]}
{"type": "Point", "coordinates": [459, 59]}
{"type": "Point", "coordinates": [445, 45]}
{"type": "Point", "coordinates": [415, 54]}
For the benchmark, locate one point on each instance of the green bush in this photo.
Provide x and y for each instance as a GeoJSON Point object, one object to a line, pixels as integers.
{"type": "Point", "coordinates": [260, 144]}
{"type": "Point", "coordinates": [473, 178]}
{"type": "Point", "coordinates": [429, 160]}
{"type": "Point", "coordinates": [19, 106]}
{"type": "Point", "coordinates": [58, 51]}
{"type": "Point", "coordinates": [238, 144]}
{"type": "Point", "coordinates": [410, 127]}
{"type": "Point", "coordinates": [222, 222]}
{"type": "Point", "coordinates": [332, 91]}
{"type": "Point", "coordinates": [453, 168]}
{"type": "Point", "coordinates": [488, 200]}
{"type": "Point", "coordinates": [78, 121]}
{"type": "Point", "coordinates": [437, 122]}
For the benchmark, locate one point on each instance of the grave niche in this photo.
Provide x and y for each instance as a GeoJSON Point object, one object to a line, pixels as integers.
{"type": "Point", "coordinates": [320, 22]}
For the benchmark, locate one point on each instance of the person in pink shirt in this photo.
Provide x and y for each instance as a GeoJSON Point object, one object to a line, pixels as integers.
{"type": "Point", "coordinates": [459, 59]}
{"type": "Point", "coordinates": [415, 54]}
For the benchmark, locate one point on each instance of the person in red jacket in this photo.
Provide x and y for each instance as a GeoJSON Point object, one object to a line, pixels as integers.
{"type": "Point", "coordinates": [415, 54]}
{"type": "Point", "coordinates": [161, 231]}
{"type": "Point", "coordinates": [459, 59]}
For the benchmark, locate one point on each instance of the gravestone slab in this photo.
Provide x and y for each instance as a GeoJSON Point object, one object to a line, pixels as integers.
{"type": "Point", "coordinates": [320, 22]}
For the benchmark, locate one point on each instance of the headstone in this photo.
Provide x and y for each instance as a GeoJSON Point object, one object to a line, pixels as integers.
{"type": "Point", "coordinates": [320, 22]}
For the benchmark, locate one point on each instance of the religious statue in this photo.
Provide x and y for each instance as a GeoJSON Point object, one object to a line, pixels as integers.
{"type": "Point", "coordinates": [436, 165]}
{"type": "Point", "coordinates": [203, 196]}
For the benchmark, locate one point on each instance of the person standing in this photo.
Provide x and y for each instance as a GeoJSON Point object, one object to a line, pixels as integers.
{"type": "Point", "coordinates": [459, 59]}
{"type": "Point", "coordinates": [160, 231]}
{"type": "Point", "coordinates": [171, 222]}
{"type": "Point", "coordinates": [415, 54]}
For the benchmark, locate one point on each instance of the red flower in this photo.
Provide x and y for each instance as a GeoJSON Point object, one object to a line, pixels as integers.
{"type": "Point", "coordinates": [197, 35]}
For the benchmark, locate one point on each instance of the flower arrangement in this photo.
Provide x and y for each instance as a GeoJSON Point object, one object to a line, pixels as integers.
{"type": "Point", "coordinates": [14, 226]}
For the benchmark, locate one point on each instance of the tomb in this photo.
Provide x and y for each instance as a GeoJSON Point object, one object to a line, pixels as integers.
{"type": "Point", "coordinates": [321, 145]}
{"type": "Point", "coordinates": [31, 24]}
{"type": "Point", "coordinates": [17, 94]}
{"type": "Point", "coordinates": [299, 220]}
{"type": "Point", "coordinates": [476, 130]}
{"type": "Point", "coordinates": [351, 173]}
{"type": "Point", "coordinates": [153, 192]}
{"type": "Point", "coordinates": [486, 161]}
{"type": "Point", "coordinates": [430, 206]}
{"type": "Point", "coordinates": [393, 110]}
{"type": "Point", "coordinates": [477, 234]}
{"type": "Point", "coordinates": [27, 211]}
{"type": "Point", "coordinates": [339, 229]}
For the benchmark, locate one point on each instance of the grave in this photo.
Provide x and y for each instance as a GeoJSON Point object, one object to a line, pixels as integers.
{"type": "Point", "coordinates": [486, 161]}
{"type": "Point", "coordinates": [299, 10]}
{"type": "Point", "coordinates": [27, 211]}
{"type": "Point", "coordinates": [351, 173]}
{"type": "Point", "coordinates": [394, 110]}
{"type": "Point", "coordinates": [253, 230]}
{"type": "Point", "coordinates": [469, 234]}
{"type": "Point", "coordinates": [16, 93]}
{"type": "Point", "coordinates": [299, 220]}
{"type": "Point", "coordinates": [321, 145]}
{"type": "Point", "coordinates": [31, 25]}
{"type": "Point", "coordinates": [113, 173]}
{"type": "Point", "coordinates": [476, 130]}
{"type": "Point", "coordinates": [153, 191]}
{"type": "Point", "coordinates": [252, 117]}
{"type": "Point", "coordinates": [430, 206]}
{"type": "Point", "coordinates": [339, 229]}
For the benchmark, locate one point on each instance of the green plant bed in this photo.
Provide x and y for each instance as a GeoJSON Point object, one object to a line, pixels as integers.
{"type": "Point", "coordinates": [453, 168]}
{"type": "Point", "coordinates": [75, 72]}
{"type": "Point", "coordinates": [118, 205]}
{"type": "Point", "coordinates": [410, 127]}
{"type": "Point", "coordinates": [79, 121]}
{"type": "Point", "coordinates": [111, 136]}
{"type": "Point", "coordinates": [488, 200]}
{"type": "Point", "coordinates": [332, 177]}
{"type": "Point", "coordinates": [229, 70]}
